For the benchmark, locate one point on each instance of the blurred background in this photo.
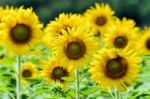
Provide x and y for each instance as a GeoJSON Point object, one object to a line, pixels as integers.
{"type": "Point", "coordinates": [47, 10]}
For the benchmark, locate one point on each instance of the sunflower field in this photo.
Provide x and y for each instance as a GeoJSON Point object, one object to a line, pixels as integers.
{"type": "Point", "coordinates": [91, 55]}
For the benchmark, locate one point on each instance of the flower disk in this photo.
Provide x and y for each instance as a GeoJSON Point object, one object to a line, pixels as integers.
{"type": "Point", "coordinates": [75, 49]}
{"type": "Point", "coordinates": [20, 33]}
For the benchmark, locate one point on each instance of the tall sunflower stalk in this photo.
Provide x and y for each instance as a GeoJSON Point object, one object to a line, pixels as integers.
{"type": "Point", "coordinates": [77, 84]}
{"type": "Point", "coordinates": [18, 83]}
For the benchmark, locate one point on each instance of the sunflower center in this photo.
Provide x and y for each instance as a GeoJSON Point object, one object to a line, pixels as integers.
{"type": "Point", "coordinates": [59, 72]}
{"type": "Point", "coordinates": [120, 42]}
{"type": "Point", "coordinates": [116, 68]}
{"type": "Point", "coordinates": [101, 20]}
{"type": "Point", "coordinates": [97, 34]}
{"type": "Point", "coordinates": [75, 49]}
{"type": "Point", "coordinates": [26, 73]}
{"type": "Point", "coordinates": [148, 43]}
{"type": "Point", "coordinates": [20, 33]}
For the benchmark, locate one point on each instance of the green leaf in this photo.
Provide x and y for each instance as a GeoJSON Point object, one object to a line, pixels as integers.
{"type": "Point", "coordinates": [89, 91]}
{"type": "Point", "coordinates": [68, 79]}
{"type": "Point", "coordinates": [41, 90]}
{"type": "Point", "coordinates": [3, 88]}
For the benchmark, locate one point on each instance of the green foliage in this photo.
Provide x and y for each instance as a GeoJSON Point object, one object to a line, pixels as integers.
{"type": "Point", "coordinates": [38, 89]}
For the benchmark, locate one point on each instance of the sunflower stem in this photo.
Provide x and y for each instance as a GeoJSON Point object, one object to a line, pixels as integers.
{"type": "Point", "coordinates": [111, 94]}
{"type": "Point", "coordinates": [77, 84]}
{"type": "Point", "coordinates": [115, 91]}
{"type": "Point", "coordinates": [18, 84]}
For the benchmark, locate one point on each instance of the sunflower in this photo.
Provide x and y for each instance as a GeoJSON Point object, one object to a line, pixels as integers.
{"type": "Point", "coordinates": [54, 72]}
{"type": "Point", "coordinates": [100, 17]}
{"type": "Point", "coordinates": [121, 34]}
{"type": "Point", "coordinates": [28, 70]}
{"type": "Point", "coordinates": [63, 22]}
{"type": "Point", "coordinates": [21, 30]}
{"type": "Point", "coordinates": [75, 46]}
{"type": "Point", "coordinates": [115, 68]}
{"type": "Point", "coordinates": [143, 44]}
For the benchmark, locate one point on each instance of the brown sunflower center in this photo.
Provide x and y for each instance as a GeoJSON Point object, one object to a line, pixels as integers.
{"type": "Point", "coordinates": [20, 33]}
{"type": "Point", "coordinates": [101, 20]}
{"type": "Point", "coordinates": [26, 73]}
{"type": "Point", "coordinates": [59, 72]}
{"type": "Point", "coordinates": [148, 43]}
{"type": "Point", "coordinates": [97, 34]}
{"type": "Point", "coordinates": [120, 42]}
{"type": "Point", "coordinates": [75, 49]}
{"type": "Point", "coordinates": [116, 68]}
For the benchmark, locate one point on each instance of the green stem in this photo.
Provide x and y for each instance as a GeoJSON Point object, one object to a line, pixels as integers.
{"type": "Point", "coordinates": [115, 91]}
{"type": "Point", "coordinates": [11, 95]}
{"type": "Point", "coordinates": [111, 94]}
{"type": "Point", "coordinates": [18, 84]}
{"type": "Point", "coordinates": [77, 84]}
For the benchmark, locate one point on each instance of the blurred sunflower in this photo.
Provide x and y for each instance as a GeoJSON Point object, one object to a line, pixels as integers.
{"type": "Point", "coordinates": [21, 30]}
{"type": "Point", "coordinates": [115, 68]}
{"type": "Point", "coordinates": [63, 22]}
{"type": "Point", "coordinates": [121, 34]}
{"type": "Point", "coordinates": [75, 46]}
{"type": "Point", "coordinates": [100, 18]}
{"type": "Point", "coordinates": [28, 70]}
{"type": "Point", "coordinates": [144, 43]}
{"type": "Point", "coordinates": [54, 72]}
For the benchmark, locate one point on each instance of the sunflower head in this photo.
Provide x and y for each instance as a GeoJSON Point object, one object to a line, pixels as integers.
{"type": "Point", "coordinates": [121, 34]}
{"type": "Point", "coordinates": [21, 28]}
{"type": "Point", "coordinates": [53, 71]}
{"type": "Point", "coordinates": [75, 46]}
{"type": "Point", "coordinates": [100, 16]}
{"type": "Point", "coordinates": [28, 70]}
{"type": "Point", "coordinates": [115, 68]}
